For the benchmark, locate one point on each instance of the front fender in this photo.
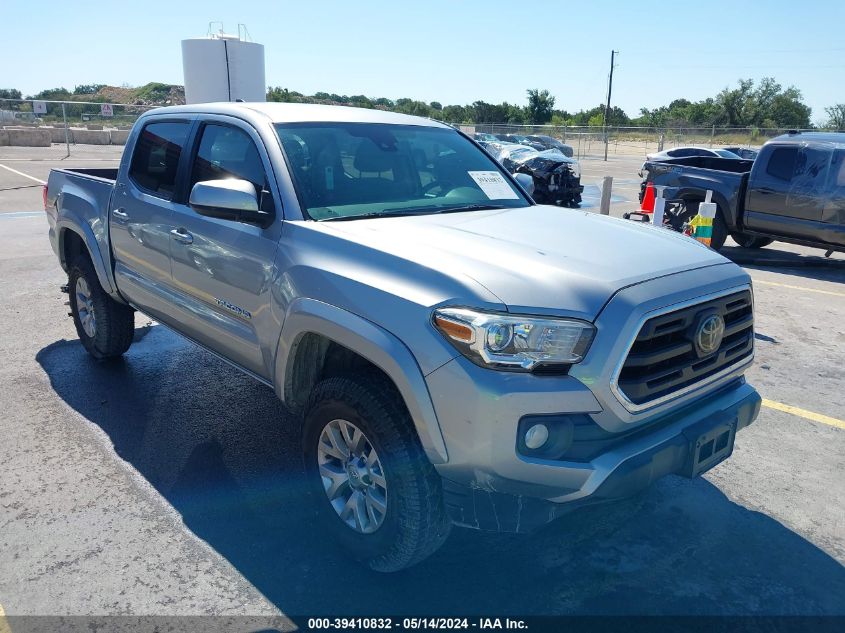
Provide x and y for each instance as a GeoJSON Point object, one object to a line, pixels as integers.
{"type": "Point", "coordinates": [377, 345]}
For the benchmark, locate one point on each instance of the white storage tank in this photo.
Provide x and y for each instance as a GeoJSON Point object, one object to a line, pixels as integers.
{"type": "Point", "coordinates": [221, 67]}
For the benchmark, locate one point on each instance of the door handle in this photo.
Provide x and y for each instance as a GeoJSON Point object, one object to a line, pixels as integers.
{"type": "Point", "coordinates": [120, 214]}
{"type": "Point", "coordinates": [181, 235]}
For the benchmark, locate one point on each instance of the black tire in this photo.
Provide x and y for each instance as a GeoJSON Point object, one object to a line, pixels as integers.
{"type": "Point", "coordinates": [114, 322]}
{"type": "Point", "coordinates": [750, 241]}
{"type": "Point", "coordinates": [720, 229]}
{"type": "Point", "coordinates": [415, 523]}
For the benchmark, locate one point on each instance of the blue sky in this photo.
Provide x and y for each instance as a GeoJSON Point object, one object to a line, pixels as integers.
{"type": "Point", "coordinates": [452, 52]}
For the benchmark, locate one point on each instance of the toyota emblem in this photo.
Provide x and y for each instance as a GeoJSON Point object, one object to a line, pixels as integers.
{"type": "Point", "coordinates": [708, 336]}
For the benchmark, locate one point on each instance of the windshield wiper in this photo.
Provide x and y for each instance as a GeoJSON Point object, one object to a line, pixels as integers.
{"type": "Point", "coordinates": [397, 212]}
{"type": "Point", "coordinates": [471, 207]}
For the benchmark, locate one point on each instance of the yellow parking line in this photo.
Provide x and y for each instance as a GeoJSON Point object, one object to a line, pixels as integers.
{"type": "Point", "coordinates": [4, 624]}
{"type": "Point", "coordinates": [20, 173]}
{"type": "Point", "coordinates": [803, 413]}
{"type": "Point", "coordinates": [824, 292]}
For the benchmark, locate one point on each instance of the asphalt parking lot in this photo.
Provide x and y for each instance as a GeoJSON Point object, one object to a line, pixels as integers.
{"type": "Point", "coordinates": [169, 484]}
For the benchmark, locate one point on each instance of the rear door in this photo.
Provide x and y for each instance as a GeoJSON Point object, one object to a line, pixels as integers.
{"type": "Point", "coordinates": [223, 269]}
{"type": "Point", "coordinates": [833, 212]}
{"type": "Point", "coordinates": [141, 214]}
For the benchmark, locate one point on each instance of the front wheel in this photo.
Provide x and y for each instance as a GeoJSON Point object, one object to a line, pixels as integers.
{"type": "Point", "coordinates": [376, 493]}
{"type": "Point", "coordinates": [104, 326]}
{"type": "Point", "coordinates": [750, 241]}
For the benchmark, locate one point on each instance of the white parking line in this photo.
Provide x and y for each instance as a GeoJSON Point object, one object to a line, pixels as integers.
{"type": "Point", "coordinates": [20, 173]}
{"type": "Point", "coordinates": [20, 214]}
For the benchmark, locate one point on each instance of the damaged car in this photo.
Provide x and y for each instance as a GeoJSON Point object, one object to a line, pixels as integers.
{"type": "Point", "coordinates": [556, 177]}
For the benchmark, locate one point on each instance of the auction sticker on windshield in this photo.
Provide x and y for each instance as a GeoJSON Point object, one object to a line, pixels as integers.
{"type": "Point", "coordinates": [493, 185]}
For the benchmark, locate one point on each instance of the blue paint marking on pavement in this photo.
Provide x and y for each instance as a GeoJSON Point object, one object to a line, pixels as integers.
{"type": "Point", "coordinates": [592, 197]}
{"type": "Point", "coordinates": [20, 214]}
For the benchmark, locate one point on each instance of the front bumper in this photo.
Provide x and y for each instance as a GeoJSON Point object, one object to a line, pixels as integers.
{"type": "Point", "coordinates": [489, 485]}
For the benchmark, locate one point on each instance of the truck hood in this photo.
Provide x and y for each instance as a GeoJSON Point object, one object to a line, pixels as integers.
{"type": "Point", "coordinates": [539, 259]}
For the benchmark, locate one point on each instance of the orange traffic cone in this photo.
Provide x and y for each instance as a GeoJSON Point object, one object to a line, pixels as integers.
{"type": "Point", "coordinates": [648, 199]}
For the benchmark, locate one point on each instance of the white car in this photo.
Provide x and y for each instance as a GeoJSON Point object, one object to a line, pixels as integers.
{"type": "Point", "coordinates": [683, 152]}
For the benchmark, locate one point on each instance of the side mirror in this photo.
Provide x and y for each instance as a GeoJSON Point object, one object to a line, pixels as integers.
{"type": "Point", "coordinates": [526, 182]}
{"type": "Point", "coordinates": [229, 199]}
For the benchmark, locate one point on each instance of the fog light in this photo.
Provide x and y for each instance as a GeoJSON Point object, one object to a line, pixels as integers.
{"type": "Point", "coordinates": [536, 436]}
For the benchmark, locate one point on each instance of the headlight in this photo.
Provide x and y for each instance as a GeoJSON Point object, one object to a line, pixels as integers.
{"type": "Point", "coordinates": [575, 168]}
{"type": "Point", "coordinates": [502, 341]}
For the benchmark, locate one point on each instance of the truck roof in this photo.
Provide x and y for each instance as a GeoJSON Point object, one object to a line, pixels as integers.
{"type": "Point", "coordinates": [829, 138]}
{"type": "Point", "coordinates": [300, 113]}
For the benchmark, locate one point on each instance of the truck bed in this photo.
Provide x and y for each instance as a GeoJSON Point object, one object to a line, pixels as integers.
{"type": "Point", "coordinates": [86, 199]}
{"type": "Point", "coordinates": [710, 163]}
{"type": "Point", "coordinates": [104, 173]}
{"type": "Point", "coordinates": [691, 177]}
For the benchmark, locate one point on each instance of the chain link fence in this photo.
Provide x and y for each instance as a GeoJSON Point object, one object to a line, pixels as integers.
{"type": "Point", "coordinates": [588, 142]}
{"type": "Point", "coordinates": [28, 123]}
{"type": "Point", "coordinates": [81, 123]}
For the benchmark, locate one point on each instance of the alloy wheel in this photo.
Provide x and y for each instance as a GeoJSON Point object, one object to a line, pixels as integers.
{"type": "Point", "coordinates": [85, 308]}
{"type": "Point", "coordinates": [352, 475]}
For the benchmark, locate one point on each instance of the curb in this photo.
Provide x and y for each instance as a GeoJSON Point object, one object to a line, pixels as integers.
{"type": "Point", "coordinates": [801, 262]}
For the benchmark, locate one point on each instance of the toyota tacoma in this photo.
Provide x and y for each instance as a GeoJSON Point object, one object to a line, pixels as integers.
{"type": "Point", "coordinates": [454, 352]}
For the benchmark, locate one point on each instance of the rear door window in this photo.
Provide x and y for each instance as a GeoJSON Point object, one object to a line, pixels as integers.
{"type": "Point", "coordinates": [156, 159]}
{"type": "Point", "coordinates": [781, 163]}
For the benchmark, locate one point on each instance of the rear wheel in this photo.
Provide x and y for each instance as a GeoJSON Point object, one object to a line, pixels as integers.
{"type": "Point", "coordinates": [750, 241]}
{"type": "Point", "coordinates": [376, 493]}
{"type": "Point", "coordinates": [104, 326]}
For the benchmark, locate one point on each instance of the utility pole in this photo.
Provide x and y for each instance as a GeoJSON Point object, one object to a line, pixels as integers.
{"type": "Point", "coordinates": [613, 55]}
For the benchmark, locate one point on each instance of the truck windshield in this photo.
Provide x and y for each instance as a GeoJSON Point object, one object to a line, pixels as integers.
{"type": "Point", "coordinates": [351, 170]}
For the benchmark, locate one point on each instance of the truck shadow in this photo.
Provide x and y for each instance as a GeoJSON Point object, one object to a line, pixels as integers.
{"type": "Point", "coordinates": [788, 262]}
{"type": "Point", "coordinates": [221, 449]}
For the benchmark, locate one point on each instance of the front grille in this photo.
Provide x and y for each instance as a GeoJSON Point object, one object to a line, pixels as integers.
{"type": "Point", "coordinates": [664, 359]}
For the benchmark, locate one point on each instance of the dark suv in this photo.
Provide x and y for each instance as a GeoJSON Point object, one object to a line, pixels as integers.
{"type": "Point", "coordinates": [550, 142]}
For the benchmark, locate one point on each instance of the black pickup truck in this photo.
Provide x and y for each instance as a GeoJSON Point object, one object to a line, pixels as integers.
{"type": "Point", "coordinates": [793, 192]}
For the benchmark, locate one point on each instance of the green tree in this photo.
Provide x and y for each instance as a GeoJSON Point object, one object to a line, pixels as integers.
{"type": "Point", "coordinates": [88, 89]}
{"type": "Point", "coordinates": [836, 116]}
{"type": "Point", "coordinates": [540, 106]}
{"type": "Point", "coordinates": [767, 105]}
{"type": "Point", "coordinates": [9, 93]}
{"type": "Point", "coordinates": [735, 104]}
{"type": "Point", "coordinates": [52, 94]}
{"type": "Point", "coordinates": [282, 95]}
{"type": "Point", "coordinates": [411, 106]}
{"type": "Point", "coordinates": [455, 114]}
{"type": "Point", "coordinates": [789, 110]}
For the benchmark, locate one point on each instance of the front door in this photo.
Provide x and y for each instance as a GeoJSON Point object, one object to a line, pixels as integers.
{"type": "Point", "coordinates": [223, 269]}
{"type": "Point", "coordinates": [141, 215]}
{"type": "Point", "coordinates": [786, 197]}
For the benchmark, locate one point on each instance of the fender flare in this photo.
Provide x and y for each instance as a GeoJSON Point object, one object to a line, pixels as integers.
{"type": "Point", "coordinates": [84, 232]}
{"type": "Point", "coordinates": [377, 345]}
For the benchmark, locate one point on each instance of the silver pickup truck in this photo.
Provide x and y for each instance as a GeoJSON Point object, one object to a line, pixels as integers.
{"type": "Point", "coordinates": [454, 352]}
